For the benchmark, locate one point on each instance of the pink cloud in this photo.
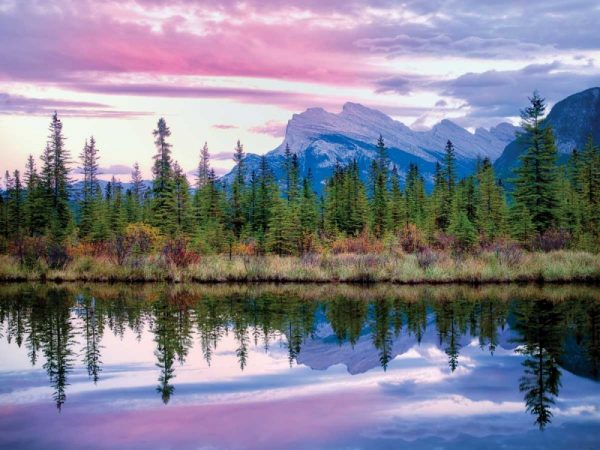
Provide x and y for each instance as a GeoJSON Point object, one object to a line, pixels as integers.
{"type": "Point", "coordinates": [272, 128]}
{"type": "Point", "coordinates": [224, 126]}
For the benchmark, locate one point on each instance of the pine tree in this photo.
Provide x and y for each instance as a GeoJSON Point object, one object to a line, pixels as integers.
{"type": "Point", "coordinates": [379, 200]}
{"type": "Point", "coordinates": [415, 197]}
{"type": "Point", "coordinates": [588, 179]}
{"type": "Point", "coordinates": [89, 193]}
{"type": "Point", "coordinates": [116, 208]}
{"type": "Point", "coordinates": [491, 214]}
{"type": "Point", "coordinates": [203, 167]}
{"type": "Point", "coordinates": [15, 205]}
{"type": "Point", "coordinates": [238, 216]}
{"type": "Point", "coordinates": [163, 202]}
{"type": "Point", "coordinates": [35, 217]}
{"type": "Point", "coordinates": [521, 225]}
{"type": "Point", "coordinates": [182, 200]}
{"type": "Point", "coordinates": [137, 194]}
{"type": "Point", "coordinates": [536, 178]}
{"type": "Point", "coordinates": [397, 204]}
{"type": "Point", "coordinates": [56, 170]}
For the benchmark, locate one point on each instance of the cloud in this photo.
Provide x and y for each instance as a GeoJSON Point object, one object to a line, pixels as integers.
{"type": "Point", "coordinates": [113, 169]}
{"type": "Point", "coordinates": [11, 104]}
{"type": "Point", "coordinates": [272, 128]}
{"type": "Point", "coordinates": [503, 93]}
{"type": "Point", "coordinates": [224, 126]}
{"type": "Point", "coordinates": [221, 156]}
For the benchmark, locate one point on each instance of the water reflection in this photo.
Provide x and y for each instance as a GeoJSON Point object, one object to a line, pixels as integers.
{"type": "Point", "coordinates": [550, 330]}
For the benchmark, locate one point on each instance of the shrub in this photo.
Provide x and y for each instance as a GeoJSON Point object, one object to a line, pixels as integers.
{"type": "Point", "coordinates": [142, 238]}
{"type": "Point", "coordinates": [412, 239]}
{"type": "Point", "coordinates": [57, 255]}
{"type": "Point", "coordinates": [427, 258]}
{"type": "Point", "coordinates": [361, 244]}
{"type": "Point", "coordinates": [28, 250]}
{"type": "Point", "coordinates": [176, 252]}
{"type": "Point", "coordinates": [552, 240]}
{"type": "Point", "coordinates": [120, 249]}
{"type": "Point", "coordinates": [244, 248]}
{"type": "Point", "coordinates": [508, 253]}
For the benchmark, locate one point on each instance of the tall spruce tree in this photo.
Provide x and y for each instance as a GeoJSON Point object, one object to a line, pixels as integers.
{"type": "Point", "coordinates": [536, 177]}
{"type": "Point", "coordinates": [90, 189]}
{"type": "Point", "coordinates": [56, 172]}
{"type": "Point", "coordinates": [238, 216]}
{"type": "Point", "coordinates": [35, 217]}
{"type": "Point", "coordinates": [163, 202]}
{"type": "Point", "coordinates": [379, 200]}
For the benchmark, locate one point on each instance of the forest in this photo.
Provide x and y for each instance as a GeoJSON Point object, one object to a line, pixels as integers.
{"type": "Point", "coordinates": [504, 227]}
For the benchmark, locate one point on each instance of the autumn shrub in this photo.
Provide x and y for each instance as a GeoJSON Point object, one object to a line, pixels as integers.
{"type": "Point", "coordinates": [508, 253]}
{"type": "Point", "coordinates": [28, 250]}
{"type": "Point", "coordinates": [244, 248]}
{"type": "Point", "coordinates": [444, 242]}
{"type": "Point", "coordinates": [427, 257]}
{"type": "Point", "coordinates": [176, 252]}
{"type": "Point", "coordinates": [412, 239]}
{"type": "Point", "coordinates": [552, 239]}
{"type": "Point", "coordinates": [57, 255]}
{"type": "Point", "coordinates": [361, 244]}
{"type": "Point", "coordinates": [142, 238]}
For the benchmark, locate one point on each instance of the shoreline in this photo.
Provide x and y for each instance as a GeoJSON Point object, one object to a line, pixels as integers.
{"type": "Point", "coordinates": [557, 267]}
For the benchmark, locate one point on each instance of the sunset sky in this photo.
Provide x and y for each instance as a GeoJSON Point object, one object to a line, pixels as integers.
{"type": "Point", "coordinates": [222, 70]}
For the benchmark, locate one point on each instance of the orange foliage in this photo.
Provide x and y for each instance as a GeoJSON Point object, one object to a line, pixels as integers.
{"type": "Point", "coordinates": [361, 244]}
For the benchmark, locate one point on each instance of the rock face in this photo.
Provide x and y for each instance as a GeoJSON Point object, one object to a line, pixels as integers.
{"type": "Point", "coordinates": [322, 139]}
{"type": "Point", "coordinates": [573, 120]}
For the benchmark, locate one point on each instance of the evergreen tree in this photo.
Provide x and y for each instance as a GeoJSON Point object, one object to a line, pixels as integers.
{"type": "Point", "coordinates": [163, 204]}
{"type": "Point", "coordinates": [56, 172]}
{"type": "Point", "coordinates": [203, 167]}
{"type": "Point", "coordinates": [136, 196]}
{"type": "Point", "coordinates": [491, 214]}
{"type": "Point", "coordinates": [397, 203]}
{"type": "Point", "coordinates": [379, 200]}
{"type": "Point", "coordinates": [182, 200]}
{"type": "Point", "coordinates": [238, 218]}
{"type": "Point", "coordinates": [536, 178]}
{"type": "Point", "coordinates": [35, 218]}
{"type": "Point", "coordinates": [89, 193]}
{"type": "Point", "coordinates": [15, 205]}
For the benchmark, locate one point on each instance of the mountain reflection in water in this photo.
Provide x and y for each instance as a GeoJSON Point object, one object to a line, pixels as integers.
{"type": "Point", "coordinates": [322, 366]}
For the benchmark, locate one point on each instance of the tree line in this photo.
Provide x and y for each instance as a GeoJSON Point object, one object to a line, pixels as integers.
{"type": "Point", "coordinates": [551, 205]}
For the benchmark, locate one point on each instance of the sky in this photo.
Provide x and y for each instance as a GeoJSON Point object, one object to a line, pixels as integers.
{"type": "Point", "coordinates": [223, 70]}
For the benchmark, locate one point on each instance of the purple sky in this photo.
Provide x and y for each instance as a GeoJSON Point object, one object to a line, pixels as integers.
{"type": "Point", "coordinates": [223, 70]}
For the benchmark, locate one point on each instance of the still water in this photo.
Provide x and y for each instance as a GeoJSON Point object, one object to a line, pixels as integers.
{"type": "Point", "coordinates": [299, 367]}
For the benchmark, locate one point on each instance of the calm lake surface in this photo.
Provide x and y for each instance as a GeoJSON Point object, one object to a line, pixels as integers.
{"type": "Point", "coordinates": [299, 367]}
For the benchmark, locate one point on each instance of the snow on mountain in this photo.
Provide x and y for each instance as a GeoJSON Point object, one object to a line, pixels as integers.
{"type": "Point", "coordinates": [323, 139]}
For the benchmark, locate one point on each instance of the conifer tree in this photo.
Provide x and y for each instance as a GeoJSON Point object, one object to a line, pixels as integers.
{"type": "Point", "coordinates": [137, 193]}
{"type": "Point", "coordinates": [15, 204]}
{"type": "Point", "coordinates": [238, 217]}
{"type": "Point", "coordinates": [491, 215]}
{"type": "Point", "coordinates": [35, 218]}
{"type": "Point", "coordinates": [89, 193]}
{"type": "Point", "coordinates": [182, 200]}
{"type": "Point", "coordinates": [536, 178]}
{"type": "Point", "coordinates": [203, 167]}
{"type": "Point", "coordinates": [163, 202]}
{"type": "Point", "coordinates": [380, 194]}
{"type": "Point", "coordinates": [397, 204]}
{"type": "Point", "coordinates": [56, 172]}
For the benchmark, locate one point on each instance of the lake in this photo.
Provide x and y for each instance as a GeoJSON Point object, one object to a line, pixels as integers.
{"type": "Point", "coordinates": [154, 366]}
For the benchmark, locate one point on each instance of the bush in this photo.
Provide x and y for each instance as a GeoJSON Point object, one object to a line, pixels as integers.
{"type": "Point", "coordinates": [508, 253]}
{"type": "Point", "coordinates": [28, 250]}
{"type": "Point", "coordinates": [552, 240]}
{"type": "Point", "coordinates": [426, 258]}
{"type": "Point", "coordinates": [361, 244]}
{"type": "Point", "coordinates": [176, 252]}
{"type": "Point", "coordinates": [57, 255]}
{"type": "Point", "coordinates": [412, 239]}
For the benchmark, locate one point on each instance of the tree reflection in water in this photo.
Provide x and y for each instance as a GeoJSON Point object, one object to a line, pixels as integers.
{"type": "Point", "coordinates": [551, 325]}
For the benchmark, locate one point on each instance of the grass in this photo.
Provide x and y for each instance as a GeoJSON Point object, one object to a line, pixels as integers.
{"type": "Point", "coordinates": [485, 267]}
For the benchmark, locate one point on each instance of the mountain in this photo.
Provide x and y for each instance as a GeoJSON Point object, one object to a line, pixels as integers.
{"type": "Point", "coordinates": [573, 120]}
{"type": "Point", "coordinates": [322, 139]}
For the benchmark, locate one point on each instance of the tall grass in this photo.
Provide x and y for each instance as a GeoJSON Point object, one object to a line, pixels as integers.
{"type": "Point", "coordinates": [485, 267]}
